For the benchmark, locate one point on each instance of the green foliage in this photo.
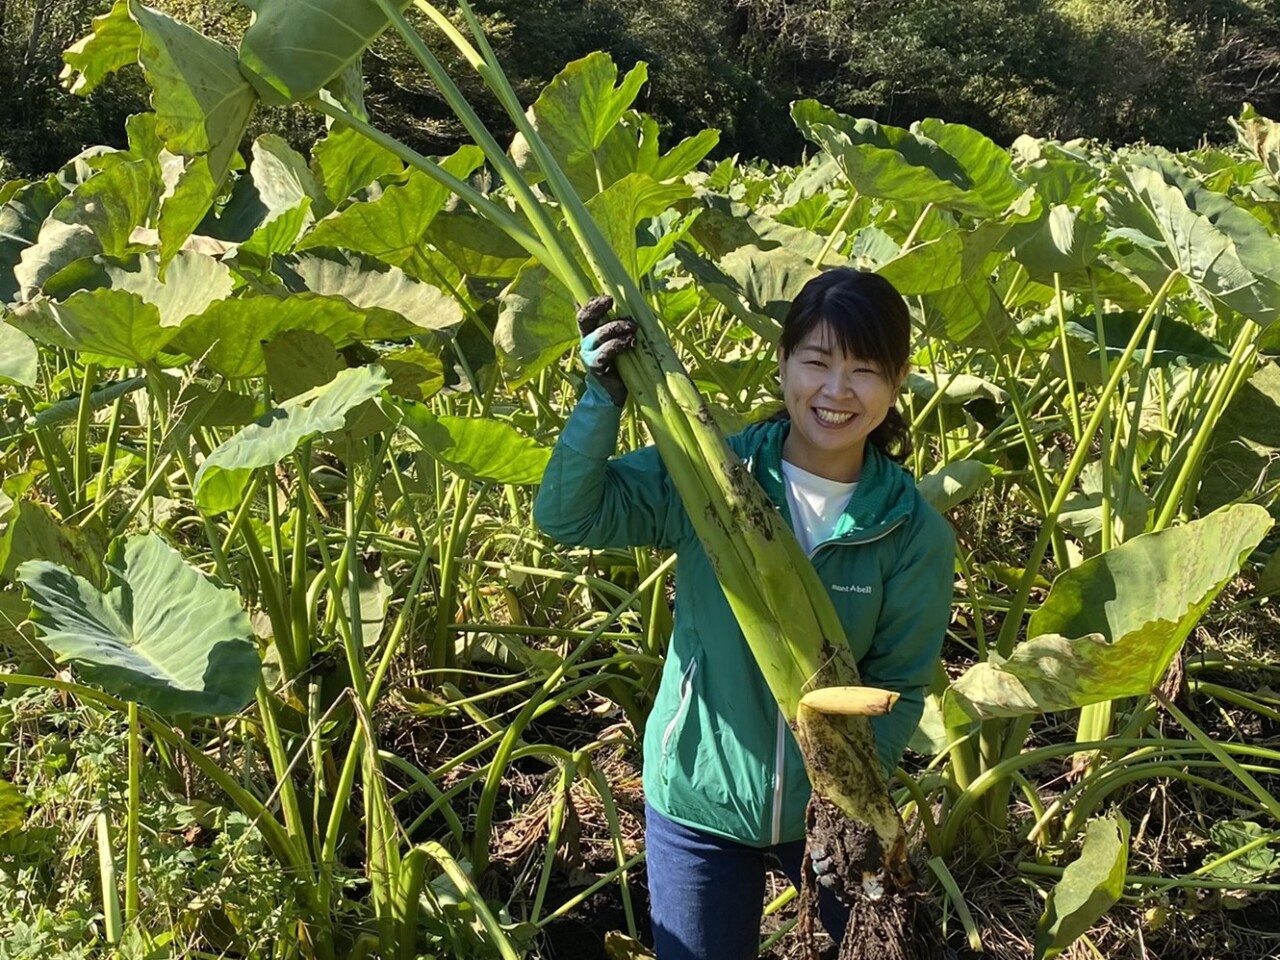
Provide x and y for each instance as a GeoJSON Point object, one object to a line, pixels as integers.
{"type": "Point", "coordinates": [209, 877]}
{"type": "Point", "coordinates": [1089, 887]}
{"type": "Point", "coordinates": [349, 377]}
{"type": "Point", "coordinates": [161, 634]}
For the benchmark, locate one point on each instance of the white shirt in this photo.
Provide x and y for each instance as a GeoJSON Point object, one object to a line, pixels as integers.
{"type": "Point", "coordinates": [816, 504]}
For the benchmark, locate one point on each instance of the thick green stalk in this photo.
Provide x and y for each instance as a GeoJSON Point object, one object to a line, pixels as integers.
{"type": "Point", "coordinates": [84, 420]}
{"type": "Point", "coordinates": [112, 926]}
{"type": "Point", "coordinates": [1133, 437]}
{"type": "Point", "coordinates": [1222, 393]}
{"type": "Point", "coordinates": [131, 855]}
{"type": "Point", "coordinates": [1104, 403]}
{"type": "Point", "coordinates": [109, 450]}
{"type": "Point", "coordinates": [533, 209]}
{"type": "Point", "coordinates": [821, 258]}
{"type": "Point", "coordinates": [1060, 311]}
{"type": "Point", "coordinates": [1013, 619]}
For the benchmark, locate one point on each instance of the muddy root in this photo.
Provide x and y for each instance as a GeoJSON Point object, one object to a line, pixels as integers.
{"type": "Point", "coordinates": [891, 916]}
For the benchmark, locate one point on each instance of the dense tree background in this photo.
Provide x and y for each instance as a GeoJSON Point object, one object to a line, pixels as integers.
{"type": "Point", "coordinates": [1167, 71]}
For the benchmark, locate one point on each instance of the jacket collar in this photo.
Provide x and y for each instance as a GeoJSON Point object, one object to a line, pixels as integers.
{"type": "Point", "coordinates": [884, 495]}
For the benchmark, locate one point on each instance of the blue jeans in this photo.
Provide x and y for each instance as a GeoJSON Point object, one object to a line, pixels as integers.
{"type": "Point", "coordinates": [706, 894]}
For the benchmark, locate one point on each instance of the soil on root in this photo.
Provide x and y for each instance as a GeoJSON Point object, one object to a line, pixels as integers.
{"type": "Point", "coordinates": [891, 916]}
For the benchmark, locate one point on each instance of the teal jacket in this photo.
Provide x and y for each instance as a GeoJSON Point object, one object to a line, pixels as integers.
{"type": "Point", "coordinates": [717, 754]}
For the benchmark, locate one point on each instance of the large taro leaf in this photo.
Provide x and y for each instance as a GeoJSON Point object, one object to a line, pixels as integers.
{"type": "Point", "coordinates": [367, 283]}
{"type": "Point", "coordinates": [1065, 240]}
{"type": "Point", "coordinates": [222, 479]}
{"type": "Point", "coordinates": [20, 220]}
{"type": "Point", "coordinates": [115, 328]}
{"type": "Point", "coordinates": [725, 225]}
{"type": "Point", "coordinates": [162, 634]}
{"type": "Point", "coordinates": [346, 161]}
{"type": "Point", "coordinates": [574, 115]}
{"type": "Point", "coordinates": [1261, 137]}
{"type": "Point", "coordinates": [201, 101]}
{"type": "Point", "coordinates": [32, 531]}
{"type": "Point", "coordinates": [632, 147]}
{"type": "Point", "coordinates": [298, 361]}
{"type": "Point", "coordinates": [757, 286]}
{"type": "Point", "coordinates": [929, 267]}
{"type": "Point", "coordinates": [281, 176]}
{"type": "Point", "coordinates": [475, 448]}
{"type": "Point", "coordinates": [535, 321]}
{"type": "Point", "coordinates": [969, 314]}
{"type": "Point", "coordinates": [117, 312]}
{"type": "Point", "coordinates": [965, 398]}
{"type": "Point", "coordinates": [99, 216]}
{"type": "Point", "coordinates": [1243, 460]}
{"type": "Point", "coordinates": [1110, 627]}
{"type": "Point", "coordinates": [192, 282]}
{"type": "Point", "coordinates": [946, 164]}
{"type": "Point", "coordinates": [1090, 886]}
{"type": "Point", "coordinates": [1177, 344]}
{"type": "Point", "coordinates": [1060, 174]}
{"type": "Point", "coordinates": [1081, 514]}
{"type": "Point", "coordinates": [229, 335]}
{"type": "Point", "coordinates": [473, 246]}
{"type": "Point", "coordinates": [624, 205]}
{"type": "Point", "coordinates": [954, 483]}
{"type": "Point", "coordinates": [1174, 223]}
{"type": "Point", "coordinates": [294, 48]}
{"type": "Point", "coordinates": [19, 358]}
{"type": "Point", "coordinates": [391, 226]}
{"type": "Point", "coordinates": [18, 636]}
{"type": "Point", "coordinates": [270, 207]}
{"type": "Point", "coordinates": [189, 193]}
{"type": "Point", "coordinates": [416, 373]}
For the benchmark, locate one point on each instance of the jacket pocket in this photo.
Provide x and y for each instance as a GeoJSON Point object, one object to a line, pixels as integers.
{"type": "Point", "coordinates": [670, 733]}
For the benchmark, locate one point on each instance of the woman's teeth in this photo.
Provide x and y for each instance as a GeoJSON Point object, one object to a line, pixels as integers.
{"type": "Point", "coordinates": [831, 417]}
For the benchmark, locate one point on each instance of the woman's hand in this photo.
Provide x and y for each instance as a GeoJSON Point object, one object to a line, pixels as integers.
{"type": "Point", "coordinates": [603, 342]}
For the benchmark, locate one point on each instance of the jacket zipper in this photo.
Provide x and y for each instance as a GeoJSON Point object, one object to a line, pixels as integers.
{"type": "Point", "coordinates": [779, 758]}
{"type": "Point", "coordinates": [686, 694]}
{"type": "Point", "coordinates": [780, 744]}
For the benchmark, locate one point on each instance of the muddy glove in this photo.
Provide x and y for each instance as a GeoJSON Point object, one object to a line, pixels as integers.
{"type": "Point", "coordinates": [601, 344]}
{"type": "Point", "coordinates": [824, 869]}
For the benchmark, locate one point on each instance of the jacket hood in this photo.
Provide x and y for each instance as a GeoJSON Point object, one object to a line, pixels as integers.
{"type": "Point", "coordinates": [885, 494]}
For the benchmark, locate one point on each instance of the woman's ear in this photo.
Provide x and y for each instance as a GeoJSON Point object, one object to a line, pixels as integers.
{"type": "Point", "coordinates": [782, 365]}
{"type": "Point", "coordinates": [902, 377]}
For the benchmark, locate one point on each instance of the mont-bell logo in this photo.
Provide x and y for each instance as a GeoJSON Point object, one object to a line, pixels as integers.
{"type": "Point", "coordinates": [851, 588]}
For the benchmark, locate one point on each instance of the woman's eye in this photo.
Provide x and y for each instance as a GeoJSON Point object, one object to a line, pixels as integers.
{"type": "Point", "coordinates": [814, 363]}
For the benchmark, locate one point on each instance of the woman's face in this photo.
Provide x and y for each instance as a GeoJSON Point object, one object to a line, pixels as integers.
{"type": "Point", "coordinates": [835, 400]}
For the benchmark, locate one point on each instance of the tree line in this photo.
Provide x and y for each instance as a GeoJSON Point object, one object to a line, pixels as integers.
{"type": "Point", "coordinates": [1163, 71]}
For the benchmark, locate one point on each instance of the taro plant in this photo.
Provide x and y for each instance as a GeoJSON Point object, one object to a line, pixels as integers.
{"type": "Point", "coordinates": [785, 612]}
{"type": "Point", "coordinates": [322, 379]}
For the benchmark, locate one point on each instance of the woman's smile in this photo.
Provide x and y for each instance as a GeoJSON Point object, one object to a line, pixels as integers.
{"type": "Point", "coordinates": [833, 418]}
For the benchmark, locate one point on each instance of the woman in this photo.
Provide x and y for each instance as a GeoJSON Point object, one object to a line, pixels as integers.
{"type": "Point", "coordinates": [724, 782]}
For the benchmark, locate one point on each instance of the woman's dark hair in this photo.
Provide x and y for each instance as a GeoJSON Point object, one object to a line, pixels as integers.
{"type": "Point", "coordinates": [869, 320]}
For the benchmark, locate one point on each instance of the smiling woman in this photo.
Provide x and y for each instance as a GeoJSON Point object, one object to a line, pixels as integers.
{"type": "Point", "coordinates": [841, 362]}
{"type": "Point", "coordinates": [724, 780]}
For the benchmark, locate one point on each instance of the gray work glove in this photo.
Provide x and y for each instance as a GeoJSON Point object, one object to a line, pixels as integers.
{"type": "Point", "coordinates": [602, 343]}
{"type": "Point", "coordinates": [824, 870]}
